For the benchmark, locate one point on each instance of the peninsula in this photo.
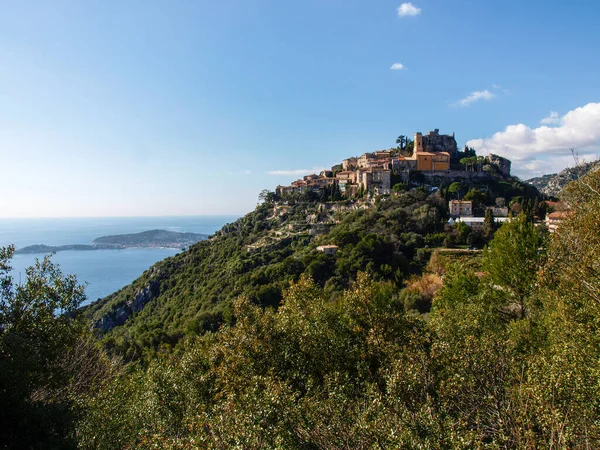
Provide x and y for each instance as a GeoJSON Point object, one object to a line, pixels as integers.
{"type": "Point", "coordinates": [145, 239]}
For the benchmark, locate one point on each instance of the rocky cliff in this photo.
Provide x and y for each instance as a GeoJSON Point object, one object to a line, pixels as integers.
{"type": "Point", "coordinates": [552, 184]}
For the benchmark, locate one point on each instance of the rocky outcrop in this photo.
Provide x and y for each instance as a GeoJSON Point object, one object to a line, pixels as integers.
{"type": "Point", "coordinates": [436, 142]}
{"type": "Point", "coordinates": [121, 313]}
{"type": "Point", "coordinates": [501, 163]}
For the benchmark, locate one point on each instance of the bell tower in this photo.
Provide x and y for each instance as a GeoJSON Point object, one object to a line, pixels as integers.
{"type": "Point", "coordinates": [418, 143]}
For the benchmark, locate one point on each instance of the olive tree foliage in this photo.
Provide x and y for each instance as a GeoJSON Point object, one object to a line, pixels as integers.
{"type": "Point", "coordinates": [46, 356]}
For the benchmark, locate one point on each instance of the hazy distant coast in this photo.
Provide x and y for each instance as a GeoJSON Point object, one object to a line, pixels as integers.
{"type": "Point", "coordinates": [145, 239]}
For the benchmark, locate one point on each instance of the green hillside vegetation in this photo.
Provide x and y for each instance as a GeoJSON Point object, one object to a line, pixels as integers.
{"type": "Point", "coordinates": [259, 255]}
{"type": "Point", "coordinates": [507, 357]}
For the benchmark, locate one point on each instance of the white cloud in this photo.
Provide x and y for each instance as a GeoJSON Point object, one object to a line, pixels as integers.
{"type": "Point", "coordinates": [296, 172]}
{"type": "Point", "coordinates": [552, 119]}
{"type": "Point", "coordinates": [475, 96]}
{"type": "Point", "coordinates": [535, 151]}
{"type": "Point", "coordinates": [397, 66]}
{"type": "Point", "coordinates": [408, 9]}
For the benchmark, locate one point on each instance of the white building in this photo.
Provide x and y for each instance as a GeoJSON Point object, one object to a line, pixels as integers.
{"type": "Point", "coordinates": [328, 249]}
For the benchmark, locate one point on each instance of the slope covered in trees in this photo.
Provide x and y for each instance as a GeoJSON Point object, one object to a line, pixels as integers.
{"type": "Point", "coordinates": [507, 358]}
{"type": "Point", "coordinates": [259, 255]}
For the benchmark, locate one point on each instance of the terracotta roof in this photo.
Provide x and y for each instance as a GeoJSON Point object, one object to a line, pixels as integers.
{"type": "Point", "coordinates": [461, 201]}
{"type": "Point", "coordinates": [557, 206]}
{"type": "Point", "coordinates": [434, 153]}
{"type": "Point", "coordinates": [558, 215]}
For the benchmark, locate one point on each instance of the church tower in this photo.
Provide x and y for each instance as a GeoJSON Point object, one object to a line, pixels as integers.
{"type": "Point", "coordinates": [418, 143]}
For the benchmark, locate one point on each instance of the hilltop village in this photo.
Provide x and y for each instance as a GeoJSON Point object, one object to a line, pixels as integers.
{"type": "Point", "coordinates": [431, 161]}
{"type": "Point", "coordinates": [433, 155]}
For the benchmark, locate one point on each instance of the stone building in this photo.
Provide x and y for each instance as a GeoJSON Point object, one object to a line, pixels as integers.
{"type": "Point", "coordinates": [375, 180]}
{"type": "Point", "coordinates": [365, 161]}
{"type": "Point", "coordinates": [346, 175]}
{"type": "Point", "coordinates": [349, 164]}
{"type": "Point", "coordinates": [383, 154]}
{"type": "Point", "coordinates": [461, 208]}
{"type": "Point", "coordinates": [432, 152]}
{"type": "Point", "coordinates": [435, 142]}
{"type": "Point", "coordinates": [402, 162]}
{"type": "Point", "coordinates": [346, 180]}
{"type": "Point", "coordinates": [297, 187]}
{"type": "Point", "coordinates": [321, 182]}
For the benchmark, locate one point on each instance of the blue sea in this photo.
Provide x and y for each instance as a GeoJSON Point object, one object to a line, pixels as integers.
{"type": "Point", "coordinates": [104, 271]}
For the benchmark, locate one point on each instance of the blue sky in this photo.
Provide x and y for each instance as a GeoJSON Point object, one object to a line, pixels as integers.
{"type": "Point", "coordinates": [131, 108]}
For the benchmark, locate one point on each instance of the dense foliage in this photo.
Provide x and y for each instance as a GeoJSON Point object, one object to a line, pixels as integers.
{"type": "Point", "coordinates": [48, 361]}
{"type": "Point", "coordinates": [502, 361]}
{"type": "Point", "coordinates": [507, 359]}
{"type": "Point", "coordinates": [258, 256]}
{"type": "Point", "coordinates": [507, 355]}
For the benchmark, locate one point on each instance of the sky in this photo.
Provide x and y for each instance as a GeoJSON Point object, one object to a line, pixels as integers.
{"type": "Point", "coordinates": [152, 108]}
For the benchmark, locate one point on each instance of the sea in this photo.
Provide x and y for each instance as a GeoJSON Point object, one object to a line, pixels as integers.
{"type": "Point", "coordinates": [103, 271]}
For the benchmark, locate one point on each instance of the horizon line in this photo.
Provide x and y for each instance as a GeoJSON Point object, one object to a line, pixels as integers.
{"type": "Point", "coordinates": [119, 217]}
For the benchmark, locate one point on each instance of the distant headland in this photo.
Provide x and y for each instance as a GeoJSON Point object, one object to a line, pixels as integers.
{"type": "Point", "coordinates": [145, 239]}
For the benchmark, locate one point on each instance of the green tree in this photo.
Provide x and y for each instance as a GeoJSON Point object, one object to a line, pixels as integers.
{"type": "Point", "coordinates": [513, 259]}
{"type": "Point", "coordinates": [400, 187]}
{"type": "Point", "coordinates": [570, 290]}
{"type": "Point", "coordinates": [38, 335]}
{"type": "Point", "coordinates": [408, 148]}
{"type": "Point", "coordinates": [489, 224]}
{"type": "Point", "coordinates": [267, 196]}
{"type": "Point", "coordinates": [401, 141]}
{"type": "Point", "coordinates": [477, 196]}
{"type": "Point", "coordinates": [455, 188]}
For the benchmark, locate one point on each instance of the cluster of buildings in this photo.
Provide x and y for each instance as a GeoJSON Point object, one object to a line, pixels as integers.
{"type": "Point", "coordinates": [372, 172]}
{"type": "Point", "coordinates": [462, 211]}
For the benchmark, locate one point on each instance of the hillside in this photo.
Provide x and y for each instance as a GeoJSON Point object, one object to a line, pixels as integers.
{"type": "Point", "coordinates": [553, 184]}
{"type": "Point", "coordinates": [257, 256]}
{"type": "Point", "coordinates": [505, 358]}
